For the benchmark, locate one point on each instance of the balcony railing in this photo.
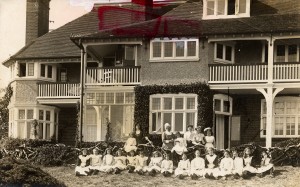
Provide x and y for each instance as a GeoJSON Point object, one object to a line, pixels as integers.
{"type": "Point", "coordinates": [59, 90]}
{"type": "Point", "coordinates": [253, 73]}
{"type": "Point", "coordinates": [113, 76]}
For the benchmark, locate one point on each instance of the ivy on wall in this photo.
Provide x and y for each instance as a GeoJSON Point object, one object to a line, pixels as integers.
{"type": "Point", "coordinates": [142, 102]}
{"type": "Point", "coordinates": [4, 112]}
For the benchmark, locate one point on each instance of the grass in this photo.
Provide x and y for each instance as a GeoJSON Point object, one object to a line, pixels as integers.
{"type": "Point", "coordinates": [285, 176]}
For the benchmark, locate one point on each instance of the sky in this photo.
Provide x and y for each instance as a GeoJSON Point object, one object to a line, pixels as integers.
{"type": "Point", "coordinates": [13, 32]}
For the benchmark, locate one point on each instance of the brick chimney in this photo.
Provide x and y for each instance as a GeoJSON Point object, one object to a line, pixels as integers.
{"type": "Point", "coordinates": [37, 19]}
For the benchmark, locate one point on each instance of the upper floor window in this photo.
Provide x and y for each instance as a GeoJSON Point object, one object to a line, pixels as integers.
{"type": "Point", "coordinates": [26, 69]}
{"type": "Point", "coordinates": [286, 53]}
{"type": "Point", "coordinates": [224, 53]}
{"type": "Point", "coordinates": [174, 49]}
{"type": "Point", "coordinates": [214, 9]}
{"type": "Point", "coordinates": [46, 71]}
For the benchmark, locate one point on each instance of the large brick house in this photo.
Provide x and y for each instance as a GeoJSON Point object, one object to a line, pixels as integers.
{"type": "Point", "coordinates": [247, 51]}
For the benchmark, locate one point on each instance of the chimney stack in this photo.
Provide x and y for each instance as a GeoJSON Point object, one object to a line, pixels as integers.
{"type": "Point", "coordinates": [37, 19]}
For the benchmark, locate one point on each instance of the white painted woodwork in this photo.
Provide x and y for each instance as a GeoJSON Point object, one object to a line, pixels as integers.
{"type": "Point", "coordinates": [59, 90]}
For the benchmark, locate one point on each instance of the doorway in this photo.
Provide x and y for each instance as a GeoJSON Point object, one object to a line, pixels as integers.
{"type": "Point", "coordinates": [222, 129]}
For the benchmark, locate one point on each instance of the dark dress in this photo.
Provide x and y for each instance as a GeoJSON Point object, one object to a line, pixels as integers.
{"type": "Point", "coordinates": [170, 144]}
{"type": "Point", "coordinates": [139, 138]}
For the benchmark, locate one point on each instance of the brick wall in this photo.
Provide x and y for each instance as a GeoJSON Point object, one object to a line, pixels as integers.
{"type": "Point", "coordinates": [37, 19]}
{"type": "Point", "coordinates": [25, 92]}
{"type": "Point", "coordinates": [67, 126]}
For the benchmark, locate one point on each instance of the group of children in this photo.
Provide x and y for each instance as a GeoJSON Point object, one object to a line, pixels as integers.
{"type": "Point", "coordinates": [208, 167]}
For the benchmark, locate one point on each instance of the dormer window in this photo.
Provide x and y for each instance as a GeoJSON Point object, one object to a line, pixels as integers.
{"type": "Point", "coordinates": [218, 9]}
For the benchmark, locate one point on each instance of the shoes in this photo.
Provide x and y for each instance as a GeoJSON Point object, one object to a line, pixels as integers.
{"type": "Point", "coordinates": [77, 174]}
{"type": "Point", "coordinates": [194, 177]}
{"type": "Point", "coordinates": [260, 175]}
{"type": "Point", "coordinates": [180, 176]}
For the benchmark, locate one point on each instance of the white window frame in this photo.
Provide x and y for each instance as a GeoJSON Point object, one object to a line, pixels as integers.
{"type": "Point", "coordinates": [46, 71]}
{"type": "Point", "coordinates": [223, 60]}
{"type": "Point", "coordinates": [184, 111]}
{"type": "Point", "coordinates": [216, 16]}
{"type": "Point", "coordinates": [286, 52]}
{"type": "Point", "coordinates": [25, 120]}
{"type": "Point", "coordinates": [27, 70]}
{"type": "Point", "coordinates": [284, 115]}
{"type": "Point", "coordinates": [174, 58]}
{"type": "Point", "coordinates": [223, 98]}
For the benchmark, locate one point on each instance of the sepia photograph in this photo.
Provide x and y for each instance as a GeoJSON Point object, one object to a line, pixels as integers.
{"type": "Point", "coordinates": [149, 93]}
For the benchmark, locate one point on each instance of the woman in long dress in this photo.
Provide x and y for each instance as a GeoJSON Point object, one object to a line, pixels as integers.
{"type": "Point", "coordinates": [139, 136]}
{"type": "Point", "coordinates": [167, 138]}
{"type": "Point", "coordinates": [209, 138]}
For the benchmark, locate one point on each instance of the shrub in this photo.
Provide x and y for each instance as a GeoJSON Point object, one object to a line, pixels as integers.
{"type": "Point", "coordinates": [20, 173]}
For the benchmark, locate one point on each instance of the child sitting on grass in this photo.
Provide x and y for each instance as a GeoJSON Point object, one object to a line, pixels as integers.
{"type": "Point", "coordinates": [238, 165]}
{"type": "Point", "coordinates": [226, 165]}
{"type": "Point", "coordinates": [141, 164]}
{"type": "Point", "coordinates": [95, 161]}
{"type": "Point", "coordinates": [108, 162]}
{"type": "Point", "coordinates": [211, 164]}
{"type": "Point", "coordinates": [197, 166]}
{"type": "Point", "coordinates": [248, 170]}
{"type": "Point", "coordinates": [131, 161]}
{"type": "Point", "coordinates": [265, 166]}
{"type": "Point", "coordinates": [155, 164]}
{"type": "Point", "coordinates": [167, 166]}
{"type": "Point", "coordinates": [184, 167]}
{"type": "Point", "coordinates": [178, 149]}
{"type": "Point", "coordinates": [120, 162]}
{"type": "Point", "coordinates": [82, 166]}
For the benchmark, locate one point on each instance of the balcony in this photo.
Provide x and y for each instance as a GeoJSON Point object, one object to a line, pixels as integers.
{"type": "Point", "coordinates": [59, 90]}
{"type": "Point", "coordinates": [253, 73]}
{"type": "Point", "coordinates": [113, 76]}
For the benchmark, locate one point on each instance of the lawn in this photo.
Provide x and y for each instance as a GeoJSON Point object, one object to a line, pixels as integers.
{"type": "Point", "coordinates": [285, 176]}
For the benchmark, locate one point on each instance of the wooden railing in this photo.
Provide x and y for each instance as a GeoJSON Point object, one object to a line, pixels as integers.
{"type": "Point", "coordinates": [59, 90]}
{"type": "Point", "coordinates": [113, 76]}
{"type": "Point", "coordinates": [253, 73]}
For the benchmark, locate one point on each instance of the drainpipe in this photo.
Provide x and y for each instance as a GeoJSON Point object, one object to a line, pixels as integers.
{"type": "Point", "coordinates": [82, 68]}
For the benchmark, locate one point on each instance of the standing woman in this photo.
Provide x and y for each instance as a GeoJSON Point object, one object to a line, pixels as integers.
{"type": "Point", "coordinates": [139, 136]}
{"type": "Point", "coordinates": [209, 138]}
{"type": "Point", "coordinates": [167, 138]}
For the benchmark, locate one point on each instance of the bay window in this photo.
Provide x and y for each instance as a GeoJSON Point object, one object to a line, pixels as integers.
{"type": "Point", "coordinates": [286, 118]}
{"type": "Point", "coordinates": [179, 110]}
{"type": "Point", "coordinates": [26, 69]}
{"type": "Point", "coordinates": [174, 49]}
{"type": "Point", "coordinates": [214, 9]}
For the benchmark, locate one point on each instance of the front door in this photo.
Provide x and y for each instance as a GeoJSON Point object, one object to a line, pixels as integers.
{"type": "Point", "coordinates": [222, 131]}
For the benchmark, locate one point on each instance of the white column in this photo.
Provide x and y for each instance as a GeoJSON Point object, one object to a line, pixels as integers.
{"type": "Point", "coordinates": [270, 60]}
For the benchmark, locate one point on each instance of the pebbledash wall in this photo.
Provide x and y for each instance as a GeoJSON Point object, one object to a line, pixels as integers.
{"type": "Point", "coordinates": [173, 72]}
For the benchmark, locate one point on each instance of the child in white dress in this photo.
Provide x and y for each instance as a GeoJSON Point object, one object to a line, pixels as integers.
{"type": "Point", "coordinates": [178, 149]}
{"type": "Point", "coordinates": [119, 162]}
{"type": "Point", "coordinates": [238, 165]}
{"type": "Point", "coordinates": [167, 166]}
{"type": "Point", "coordinates": [248, 169]}
{"type": "Point", "coordinates": [188, 136]}
{"type": "Point", "coordinates": [226, 165]}
{"type": "Point", "coordinates": [209, 139]}
{"type": "Point", "coordinates": [141, 164]}
{"type": "Point", "coordinates": [265, 165]}
{"type": "Point", "coordinates": [95, 161]}
{"type": "Point", "coordinates": [131, 161]}
{"type": "Point", "coordinates": [155, 164]}
{"type": "Point", "coordinates": [184, 167]}
{"type": "Point", "coordinates": [130, 144]}
{"type": "Point", "coordinates": [83, 163]}
{"type": "Point", "coordinates": [211, 164]}
{"type": "Point", "coordinates": [108, 162]}
{"type": "Point", "coordinates": [197, 166]}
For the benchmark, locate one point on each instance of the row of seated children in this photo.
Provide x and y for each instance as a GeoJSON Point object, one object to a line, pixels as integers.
{"type": "Point", "coordinates": [208, 167]}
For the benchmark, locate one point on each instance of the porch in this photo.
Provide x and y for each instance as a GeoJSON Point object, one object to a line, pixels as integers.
{"type": "Point", "coordinates": [253, 73]}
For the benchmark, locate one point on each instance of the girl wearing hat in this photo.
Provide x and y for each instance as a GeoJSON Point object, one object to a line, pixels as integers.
{"type": "Point", "coordinates": [209, 138]}
{"type": "Point", "coordinates": [130, 144]}
{"type": "Point", "coordinates": [155, 164]}
{"type": "Point", "coordinates": [167, 166]}
{"type": "Point", "coordinates": [167, 138]}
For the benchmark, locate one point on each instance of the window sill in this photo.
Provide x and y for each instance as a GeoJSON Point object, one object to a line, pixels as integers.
{"type": "Point", "coordinates": [206, 17]}
{"type": "Point", "coordinates": [220, 61]}
{"type": "Point", "coordinates": [175, 60]}
{"type": "Point", "coordinates": [288, 136]}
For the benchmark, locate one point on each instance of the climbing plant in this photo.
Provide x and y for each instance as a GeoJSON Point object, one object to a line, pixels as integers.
{"type": "Point", "coordinates": [4, 112]}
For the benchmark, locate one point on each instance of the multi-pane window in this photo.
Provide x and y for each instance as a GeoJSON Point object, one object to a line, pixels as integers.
{"type": "Point", "coordinates": [110, 98]}
{"type": "Point", "coordinates": [179, 110]}
{"type": "Point", "coordinates": [213, 9]}
{"type": "Point", "coordinates": [286, 118]}
{"type": "Point", "coordinates": [25, 117]}
{"type": "Point", "coordinates": [44, 124]}
{"type": "Point", "coordinates": [224, 53]}
{"type": "Point", "coordinates": [287, 53]}
{"type": "Point", "coordinates": [46, 71]}
{"type": "Point", "coordinates": [26, 69]}
{"type": "Point", "coordinates": [174, 49]}
{"type": "Point", "coordinates": [30, 69]}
